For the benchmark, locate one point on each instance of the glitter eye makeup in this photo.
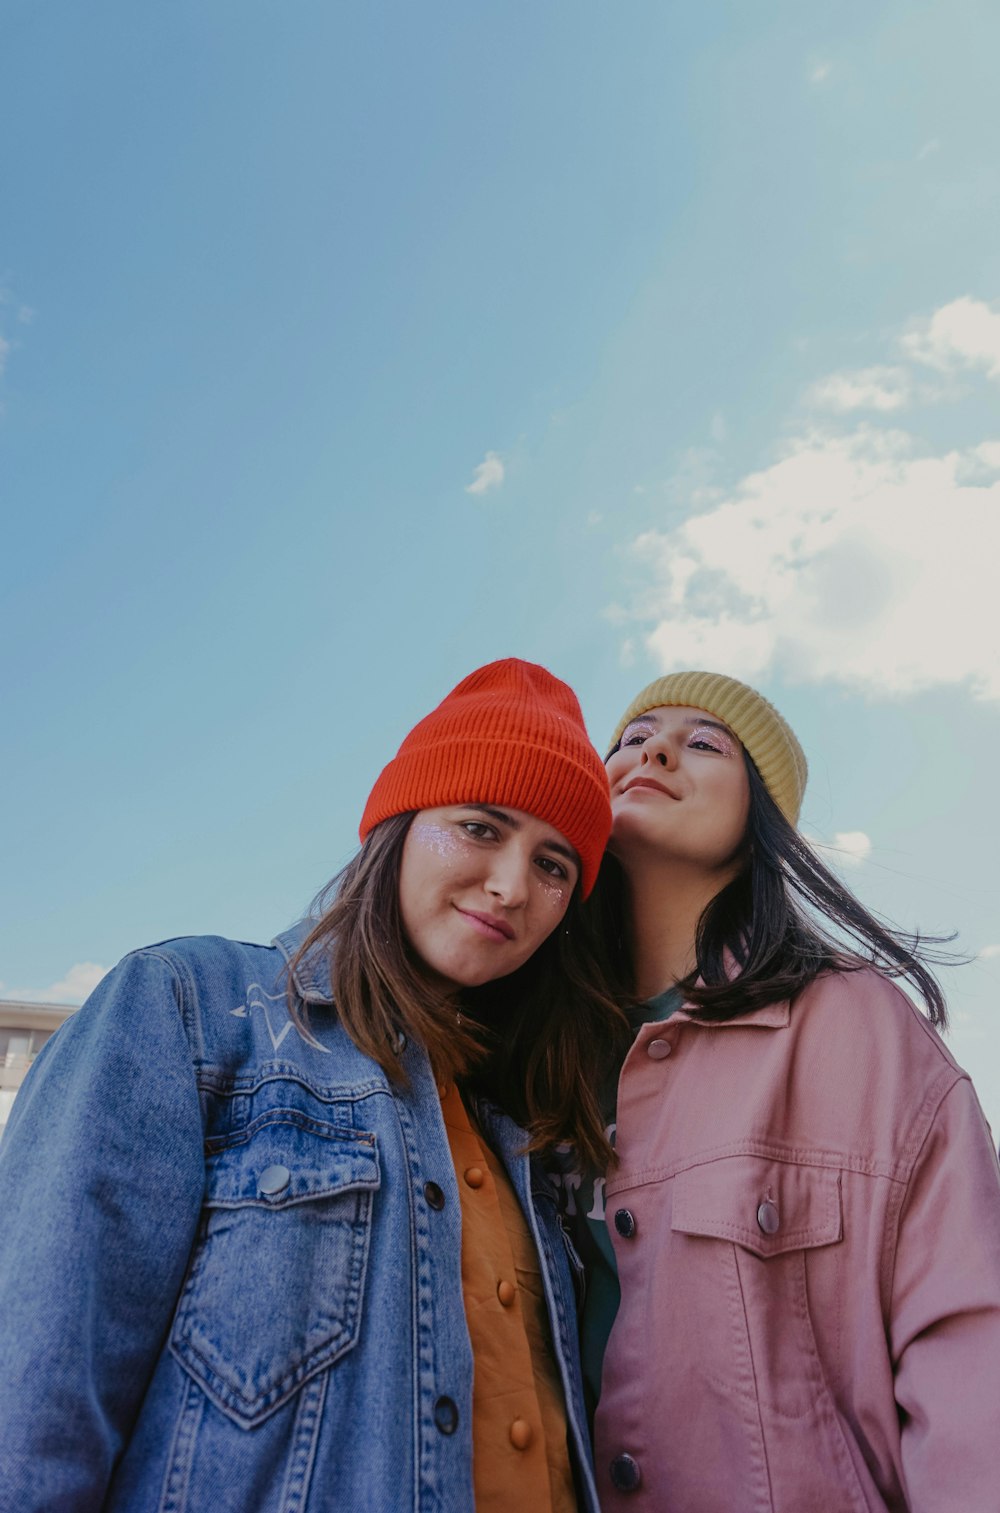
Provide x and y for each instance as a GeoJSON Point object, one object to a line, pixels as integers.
{"type": "Point", "coordinates": [719, 740]}
{"type": "Point", "coordinates": [441, 839]}
{"type": "Point", "coordinates": [639, 727]}
{"type": "Point", "coordinates": [553, 891]}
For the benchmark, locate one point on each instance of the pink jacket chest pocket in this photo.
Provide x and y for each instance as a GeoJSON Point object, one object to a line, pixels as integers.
{"type": "Point", "coordinates": [746, 1232]}
{"type": "Point", "coordinates": [767, 1206]}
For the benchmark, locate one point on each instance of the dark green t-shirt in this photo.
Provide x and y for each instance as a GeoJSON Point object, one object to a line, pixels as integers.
{"type": "Point", "coordinates": [582, 1206]}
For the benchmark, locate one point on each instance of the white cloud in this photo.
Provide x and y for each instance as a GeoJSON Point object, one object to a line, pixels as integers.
{"type": "Point", "coordinates": [78, 983]}
{"type": "Point", "coordinates": [964, 333]}
{"type": "Point", "coordinates": [886, 388]}
{"type": "Point", "coordinates": [489, 474]}
{"type": "Point", "coordinates": [860, 556]}
{"type": "Point", "coordinates": [849, 847]}
{"type": "Point", "coordinates": [819, 72]}
{"type": "Point", "coordinates": [4, 353]}
{"type": "Point", "coordinates": [930, 147]}
{"type": "Point", "coordinates": [988, 953]}
{"type": "Point", "coordinates": [856, 559]}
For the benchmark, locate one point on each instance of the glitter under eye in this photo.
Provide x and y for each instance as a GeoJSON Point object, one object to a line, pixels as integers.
{"type": "Point", "coordinates": [554, 892]}
{"type": "Point", "coordinates": [438, 838]}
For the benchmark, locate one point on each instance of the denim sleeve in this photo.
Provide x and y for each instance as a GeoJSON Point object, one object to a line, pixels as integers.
{"type": "Point", "coordinates": [101, 1183]}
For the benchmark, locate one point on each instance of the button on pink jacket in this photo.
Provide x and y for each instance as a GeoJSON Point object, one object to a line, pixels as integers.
{"type": "Point", "coordinates": [810, 1315]}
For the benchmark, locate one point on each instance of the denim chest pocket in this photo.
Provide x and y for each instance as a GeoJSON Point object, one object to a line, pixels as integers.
{"type": "Point", "coordinates": [275, 1287]}
{"type": "Point", "coordinates": [779, 1219]}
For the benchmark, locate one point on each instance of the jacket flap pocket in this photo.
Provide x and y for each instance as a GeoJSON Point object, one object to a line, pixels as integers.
{"type": "Point", "coordinates": [767, 1206]}
{"type": "Point", "coordinates": [289, 1158]}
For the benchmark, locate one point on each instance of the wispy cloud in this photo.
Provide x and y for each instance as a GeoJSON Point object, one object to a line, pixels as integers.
{"type": "Point", "coordinates": [78, 983]}
{"type": "Point", "coordinates": [13, 311]}
{"type": "Point", "coordinates": [988, 953]}
{"type": "Point", "coordinates": [929, 148]}
{"type": "Point", "coordinates": [489, 474]}
{"type": "Point", "coordinates": [818, 72]}
{"type": "Point", "coordinates": [879, 388]}
{"type": "Point", "coordinates": [849, 847]}
{"type": "Point", "coordinates": [962, 334]}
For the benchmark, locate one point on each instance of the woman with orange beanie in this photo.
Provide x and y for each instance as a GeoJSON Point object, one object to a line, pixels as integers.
{"type": "Point", "coordinates": [271, 1240]}
{"type": "Point", "coordinates": [803, 1223]}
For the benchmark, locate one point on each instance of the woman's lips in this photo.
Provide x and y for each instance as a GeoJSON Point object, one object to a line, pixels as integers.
{"type": "Point", "coordinates": [489, 925]}
{"type": "Point", "coordinates": [649, 783]}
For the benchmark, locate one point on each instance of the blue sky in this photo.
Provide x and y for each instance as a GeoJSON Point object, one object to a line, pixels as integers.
{"type": "Point", "coordinates": [346, 347]}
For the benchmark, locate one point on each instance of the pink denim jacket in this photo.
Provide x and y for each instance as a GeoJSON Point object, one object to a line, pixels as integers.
{"type": "Point", "coordinates": [806, 1218]}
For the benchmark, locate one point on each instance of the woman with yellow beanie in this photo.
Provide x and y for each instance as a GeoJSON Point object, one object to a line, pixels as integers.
{"type": "Point", "coordinates": [267, 1245]}
{"type": "Point", "coordinates": [804, 1217]}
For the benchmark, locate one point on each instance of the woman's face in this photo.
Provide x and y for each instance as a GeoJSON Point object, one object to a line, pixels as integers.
{"type": "Point", "coordinates": [480, 888]}
{"type": "Point", "coordinates": [679, 789]}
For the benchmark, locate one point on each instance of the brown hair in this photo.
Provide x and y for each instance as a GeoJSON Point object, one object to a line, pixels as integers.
{"type": "Point", "coordinates": [536, 1041]}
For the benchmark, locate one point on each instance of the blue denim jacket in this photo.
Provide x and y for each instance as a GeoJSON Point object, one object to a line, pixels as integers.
{"type": "Point", "coordinates": [227, 1280]}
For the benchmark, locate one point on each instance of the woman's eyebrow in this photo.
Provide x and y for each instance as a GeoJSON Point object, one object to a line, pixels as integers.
{"type": "Point", "coordinates": [712, 724]}
{"type": "Point", "coordinates": [500, 815]}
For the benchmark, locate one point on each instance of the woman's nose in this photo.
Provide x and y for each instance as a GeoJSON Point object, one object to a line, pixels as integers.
{"type": "Point", "coordinates": [659, 751]}
{"type": "Point", "coordinates": [508, 881]}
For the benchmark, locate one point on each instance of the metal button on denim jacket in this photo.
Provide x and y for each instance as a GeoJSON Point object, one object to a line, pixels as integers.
{"type": "Point", "coordinates": [223, 1284]}
{"type": "Point", "coordinates": [295, 1193]}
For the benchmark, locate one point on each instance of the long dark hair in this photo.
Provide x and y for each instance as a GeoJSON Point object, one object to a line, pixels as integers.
{"type": "Point", "coordinates": [535, 1041]}
{"type": "Point", "coordinates": [783, 920]}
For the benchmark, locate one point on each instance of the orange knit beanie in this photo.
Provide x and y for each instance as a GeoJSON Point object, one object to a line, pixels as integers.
{"type": "Point", "coordinates": [512, 734]}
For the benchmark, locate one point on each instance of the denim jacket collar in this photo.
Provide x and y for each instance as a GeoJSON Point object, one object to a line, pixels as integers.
{"type": "Point", "coordinates": [312, 976]}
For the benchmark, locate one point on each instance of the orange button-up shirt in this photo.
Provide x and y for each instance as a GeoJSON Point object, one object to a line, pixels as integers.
{"type": "Point", "coordinates": [520, 1457]}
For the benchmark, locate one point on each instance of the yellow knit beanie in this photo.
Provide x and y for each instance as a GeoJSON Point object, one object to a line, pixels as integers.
{"type": "Point", "coordinates": [771, 742]}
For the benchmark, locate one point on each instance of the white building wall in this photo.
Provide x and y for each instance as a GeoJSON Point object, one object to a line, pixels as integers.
{"type": "Point", "coordinates": [24, 1029]}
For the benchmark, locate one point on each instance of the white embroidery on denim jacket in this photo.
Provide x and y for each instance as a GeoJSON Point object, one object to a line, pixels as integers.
{"type": "Point", "coordinates": [257, 999]}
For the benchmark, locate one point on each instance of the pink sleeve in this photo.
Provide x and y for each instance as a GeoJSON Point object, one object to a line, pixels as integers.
{"type": "Point", "coordinates": [944, 1323]}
